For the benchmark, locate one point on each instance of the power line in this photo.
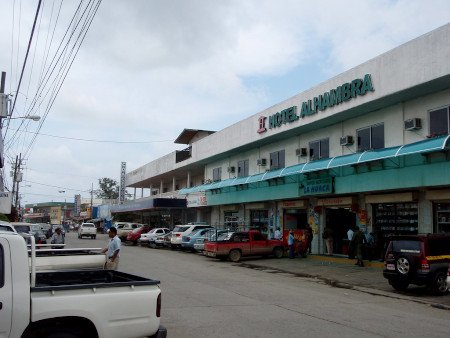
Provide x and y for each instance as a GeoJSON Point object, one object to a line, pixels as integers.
{"type": "Point", "coordinates": [55, 186]}
{"type": "Point", "coordinates": [95, 140]}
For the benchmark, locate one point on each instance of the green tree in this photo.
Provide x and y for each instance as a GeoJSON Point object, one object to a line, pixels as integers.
{"type": "Point", "coordinates": [109, 188]}
{"type": "Point", "coordinates": [3, 217]}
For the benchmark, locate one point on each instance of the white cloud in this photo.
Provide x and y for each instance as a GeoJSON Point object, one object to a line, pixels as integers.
{"type": "Point", "coordinates": [148, 69]}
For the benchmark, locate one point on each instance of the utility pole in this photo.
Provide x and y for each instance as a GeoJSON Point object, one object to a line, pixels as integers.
{"type": "Point", "coordinates": [92, 195]}
{"type": "Point", "coordinates": [3, 113]}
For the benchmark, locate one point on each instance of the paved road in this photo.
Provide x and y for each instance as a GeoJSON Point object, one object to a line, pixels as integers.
{"type": "Point", "coordinates": [209, 298]}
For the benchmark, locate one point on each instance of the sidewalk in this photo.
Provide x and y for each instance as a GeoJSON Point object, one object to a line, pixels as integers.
{"type": "Point", "coordinates": [341, 272]}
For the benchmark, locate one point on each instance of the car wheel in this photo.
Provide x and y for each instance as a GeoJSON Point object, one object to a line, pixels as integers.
{"type": "Point", "coordinates": [399, 285]}
{"type": "Point", "coordinates": [235, 255]}
{"type": "Point", "coordinates": [404, 265]}
{"type": "Point", "coordinates": [278, 252]}
{"type": "Point", "coordinates": [440, 286]}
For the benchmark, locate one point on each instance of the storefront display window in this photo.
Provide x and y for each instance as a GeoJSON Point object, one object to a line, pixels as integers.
{"type": "Point", "coordinates": [231, 220]}
{"type": "Point", "coordinates": [260, 220]}
{"type": "Point", "coordinates": [442, 218]}
{"type": "Point", "coordinates": [396, 219]}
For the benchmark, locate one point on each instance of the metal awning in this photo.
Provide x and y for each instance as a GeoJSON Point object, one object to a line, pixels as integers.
{"type": "Point", "coordinates": [422, 147]}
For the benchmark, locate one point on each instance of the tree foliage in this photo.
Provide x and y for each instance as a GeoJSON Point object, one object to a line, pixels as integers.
{"type": "Point", "coordinates": [108, 188]}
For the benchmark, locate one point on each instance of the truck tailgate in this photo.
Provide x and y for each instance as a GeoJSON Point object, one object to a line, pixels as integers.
{"type": "Point", "coordinates": [118, 304]}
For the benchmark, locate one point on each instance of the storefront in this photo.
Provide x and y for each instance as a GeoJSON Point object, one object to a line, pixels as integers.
{"type": "Point", "coordinates": [340, 216]}
{"type": "Point", "coordinates": [259, 217]}
{"type": "Point", "coordinates": [441, 210]}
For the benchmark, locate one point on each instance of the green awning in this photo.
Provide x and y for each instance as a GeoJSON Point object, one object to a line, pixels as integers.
{"type": "Point", "coordinates": [421, 147]}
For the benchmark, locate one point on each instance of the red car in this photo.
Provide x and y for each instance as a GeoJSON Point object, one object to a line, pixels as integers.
{"type": "Point", "coordinates": [134, 235]}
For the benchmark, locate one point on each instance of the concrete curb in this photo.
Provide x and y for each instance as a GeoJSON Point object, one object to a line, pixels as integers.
{"type": "Point", "coordinates": [338, 284]}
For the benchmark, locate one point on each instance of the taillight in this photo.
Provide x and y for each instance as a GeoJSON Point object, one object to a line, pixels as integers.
{"type": "Point", "coordinates": [158, 306]}
{"type": "Point", "coordinates": [178, 235]}
{"type": "Point", "coordinates": [425, 266]}
{"type": "Point", "coordinates": [448, 273]}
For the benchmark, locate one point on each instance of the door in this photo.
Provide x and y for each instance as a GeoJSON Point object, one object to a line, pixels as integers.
{"type": "Point", "coordinates": [260, 244]}
{"type": "Point", "coordinates": [5, 289]}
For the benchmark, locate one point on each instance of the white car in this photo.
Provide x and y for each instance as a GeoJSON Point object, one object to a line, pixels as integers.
{"type": "Point", "coordinates": [151, 235]}
{"type": "Point", "coordinates": [184, 230]}
{"type": "Point", "coordinates": [87, 230]}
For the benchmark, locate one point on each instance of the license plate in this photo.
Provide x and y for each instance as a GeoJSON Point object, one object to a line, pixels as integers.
{"type": "Point", "coordinates": [390, 266]}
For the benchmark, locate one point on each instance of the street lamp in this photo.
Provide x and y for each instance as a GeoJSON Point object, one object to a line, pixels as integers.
{"type": "Point", "coordinates": [26, 117]}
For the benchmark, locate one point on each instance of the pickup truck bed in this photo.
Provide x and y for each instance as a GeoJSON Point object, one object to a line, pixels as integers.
{"type": "Point", "coordinates": [79, 279]}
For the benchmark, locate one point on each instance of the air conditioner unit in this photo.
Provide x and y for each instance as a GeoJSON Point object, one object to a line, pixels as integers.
{"type": "Point", "coordinates": [413, 124]}
{"type": "Point", "coordinates": [231, 169]}
{"type": "Point", "coordinates": [301, 152]}
{"type": "Point", "coordinates": [261, 162]}
{"type": "Point", "coordinates": [346, 140]}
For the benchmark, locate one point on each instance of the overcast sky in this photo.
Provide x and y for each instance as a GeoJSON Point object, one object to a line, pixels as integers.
{"type": "Point", "coordinates": [148, 69]}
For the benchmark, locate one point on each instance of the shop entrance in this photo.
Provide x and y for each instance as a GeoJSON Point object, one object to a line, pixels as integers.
{"type": "Point", "coordinates": [339, 220]}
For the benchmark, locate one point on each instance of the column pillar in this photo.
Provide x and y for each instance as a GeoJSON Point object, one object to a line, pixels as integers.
{"type": "Point", "coordinates": [161, 188]}
{"type": "Point", "coordinates": [188, 183]}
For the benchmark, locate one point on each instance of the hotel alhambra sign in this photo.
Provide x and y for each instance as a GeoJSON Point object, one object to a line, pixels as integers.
{"type": "Point", "coordinates": [334, 97]}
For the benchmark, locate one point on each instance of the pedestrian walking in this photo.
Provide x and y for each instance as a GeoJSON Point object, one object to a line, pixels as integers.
{"type": "Point", "coordinates": [112, 251]}
{"type": "Point", "coordinates": [309, 232]}
{"type": "Point", "coordinates": [291, 244]}
{"type": "Point", "coordinates": [57, 238]}
{"type": "Point", "coordinates": [328, 237]}
{"type": "Point", "coordinates": [358, 241]}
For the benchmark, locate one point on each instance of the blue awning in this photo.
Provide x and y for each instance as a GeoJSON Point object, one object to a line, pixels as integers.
{"type": "Point", "coordinates": [421, 147]}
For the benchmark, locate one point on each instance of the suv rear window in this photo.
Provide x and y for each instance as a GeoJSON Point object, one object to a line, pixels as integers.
{"type": "Point", "coordinates": [406, 246]}
{"type": "Point", "coordinates": [180, 229]}
{"type": "Point", "coordinates": [88, 225]}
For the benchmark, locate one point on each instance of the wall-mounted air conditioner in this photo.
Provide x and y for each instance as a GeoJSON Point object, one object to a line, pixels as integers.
{"type": "Point", "coordinates": [413, 124]}
{"type": "Point", "coordinates": [301, 152]}
{"type": "Point", "coordinates": [231, 169]}
{"type": "Point", "coordinates": [261, 161]}
{"type": "Point", "coordinates": [346, 140]}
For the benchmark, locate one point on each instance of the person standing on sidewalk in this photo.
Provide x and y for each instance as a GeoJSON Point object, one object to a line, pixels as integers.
{"type": "Point", "coordinates": [309, 232]}
{"type": "Point", "coordinates": [278, 234]}
{"type": "Point", "coordinates": [291, 244]}
{"type": "Point", "coordinates": [328, 237]}
{"type": "Point", "coordinates": [358, 241]}
{"type": "Point", "coordinates": [112, 251]}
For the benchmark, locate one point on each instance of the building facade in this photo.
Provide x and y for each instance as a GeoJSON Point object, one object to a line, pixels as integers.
{"type": "Point", "coordinates": [367, 148]}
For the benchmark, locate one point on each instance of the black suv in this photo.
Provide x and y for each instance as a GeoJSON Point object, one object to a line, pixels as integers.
{"type": "Point", "coordinates": [419, 260]}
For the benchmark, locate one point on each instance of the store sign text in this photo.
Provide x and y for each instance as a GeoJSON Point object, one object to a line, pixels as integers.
{"type": "Point", "coordinates": [334, 97]}
{"type": "Point", "coordinates": [319, 186]}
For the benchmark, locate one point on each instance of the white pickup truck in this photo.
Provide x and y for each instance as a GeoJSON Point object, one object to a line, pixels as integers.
{"type": "Point", "coordinates": [72, 303]}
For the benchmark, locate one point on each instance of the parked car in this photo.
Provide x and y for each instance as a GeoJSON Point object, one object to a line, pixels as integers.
{"type": "Point", "coordinates": [211, 235]}
{"type": "Point", "coordinates": [135, 235]}
{"type": "Point", "coordinates": [87, 230]}
{"type": "Point", "coordinates": [162, 241]}
{"type": "Point", "coordinates": [184, 230]}
{"type": "Point", "coordinates": [150, 236]}
{"type": "Point", "coordinates": [419, 260]}
{"type": "Point", "coordinates": [124, 228]}
{"type": "Point", "coordinates": [244, 243]}
{"type": "Point", "coordinates": [188, 241]}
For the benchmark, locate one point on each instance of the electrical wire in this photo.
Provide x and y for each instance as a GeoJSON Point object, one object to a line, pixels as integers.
{"type": "Point", "coordinates": [56, 186]}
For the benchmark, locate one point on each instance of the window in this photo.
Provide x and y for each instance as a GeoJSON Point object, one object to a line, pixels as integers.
{"type": "Point", "coordinates": [319, 149]}
{"type": "Point", "coordinates": [371, 137]}
{"type": "Point", "coordinates": [277, 160]}
{"type": "Point", "coordinates": [217, 174]}
{"type": "Point", "coordinates": [440, 121]}
{"type": "Point", "coordinates": [243, 168]}
{"type": "Point", "coordinates": [259, 237]}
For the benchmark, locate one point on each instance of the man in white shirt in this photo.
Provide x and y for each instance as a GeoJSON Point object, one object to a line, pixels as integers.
{"type": "Point", "coordinates": [112, 251]}
{"type": "Point", "coordinates": [350, 234]}
{"type": "Point", "coordinates": [57, 238]}
{"type": "Point", "coordinates": [278, 234]}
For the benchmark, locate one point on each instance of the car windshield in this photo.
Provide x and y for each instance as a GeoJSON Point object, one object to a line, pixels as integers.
{"type": "Point", "coordinates": [408, 246]}
{"type": "Point", "coordinates": [5, 228]}
{"type": "Point", "coordinates": [22, 228]}
{"type": "Point", "coordinates": [180, 229]}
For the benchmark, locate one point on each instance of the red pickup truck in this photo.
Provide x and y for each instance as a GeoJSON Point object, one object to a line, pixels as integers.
{"type": "Point", "coordinates": [245, 243]}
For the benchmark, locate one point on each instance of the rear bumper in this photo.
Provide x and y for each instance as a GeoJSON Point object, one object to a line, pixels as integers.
{"type": "Point", "coordinates": [417, 279]}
